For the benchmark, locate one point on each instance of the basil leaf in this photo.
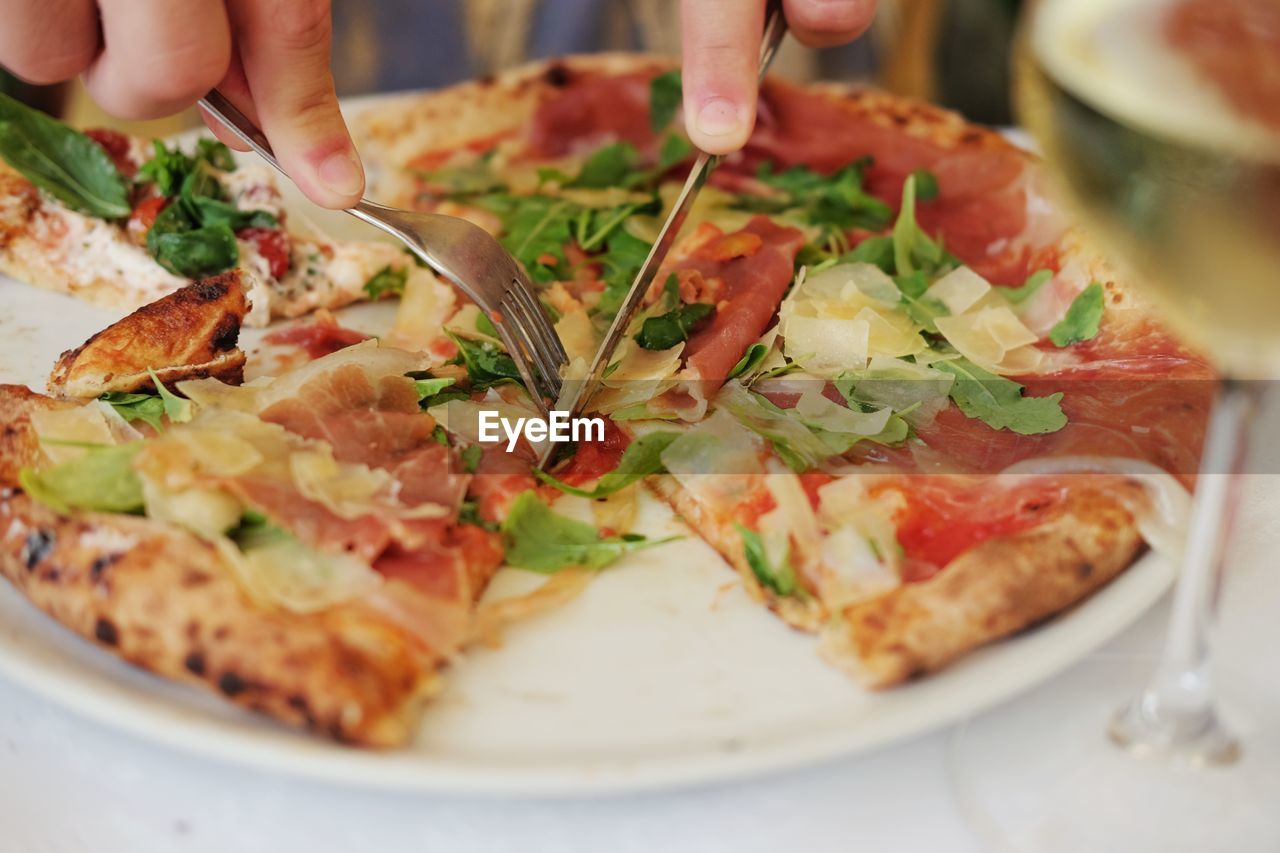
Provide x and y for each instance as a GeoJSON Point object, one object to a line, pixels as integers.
{"type": "Point", "coordinates": [667, 330]}
{"type": "Point", "coordinates": [539, 540]}
{"type": "Point", "coordinates": [1082, 318]}
{"type": "Point", "coordinates": [167, 169]}
{"type": "Point", "coordinates": [486, 364]}
{"type": "Point", "coordinates": [214, 211]}
{"type": "Point", "coordinates": [66, 164]}
{"type": "Point", "coordinates": [780, 579]}
{"type": "Point", "coordinates": [386, 280]}
{"type": "Point", "coordinates": [1029, 288]}
{"type": "Point", "coordinates": [665, 94]}
{"type": "Point", "coordinates": [641, 458]}
{"type": "Point", "coordinates": [998, 402]}
{"type": "Point", "coordinates": [102, 480]}
{"type": "Point", "coordinates": [191, 252]}
{"type": "Point", "coordinates": [148, 408]}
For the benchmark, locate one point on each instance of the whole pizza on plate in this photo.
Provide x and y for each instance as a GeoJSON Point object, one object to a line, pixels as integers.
{"type": "Point", "coordinates": [879, 373]}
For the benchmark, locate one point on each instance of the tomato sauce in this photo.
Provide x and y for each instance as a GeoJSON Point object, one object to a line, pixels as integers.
{"type": "Point", "coordinates": [594, 459]}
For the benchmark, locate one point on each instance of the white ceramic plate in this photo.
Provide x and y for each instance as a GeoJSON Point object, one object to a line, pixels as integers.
{"type": "Point", "coordinates": [662, 674]}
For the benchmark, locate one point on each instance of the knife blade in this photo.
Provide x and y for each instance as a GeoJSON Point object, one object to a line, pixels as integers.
{"type": "Point", "coordinates": [578, 394]}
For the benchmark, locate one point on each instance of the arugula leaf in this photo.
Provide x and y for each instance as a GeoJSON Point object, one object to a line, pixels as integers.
{"type": "Point", "coordinates": [539, 540]}
{"type": "Point", "coordinates": [469, 513]}
{"type": "Point", "coordinates": [641, 458]}
{"type": "Point", "coordinates": [176, 409]}
{"type": "Point", "coordinates": [102, 480]}
{"type": "Point", "coordinates": [832, 201]}
{"type": "Point", "coordinates": [998, 402]}
{"type": "Point", "coordinates": [432, 385]}
{"type": "Point", "coordinates": [386, 280]}
{"type": "Point", "coordinates": [623, 256]}
{"type": "Point", "coordinates": [470, 457]}
{"type": "Point", "coordinates": [665, 94]}
{"type": "Point", "coordinates": [255, 530]}
{"type": "Point", "coordinates": [926, 185]}
{"type": "Point", "coordinates": [169, 168]}
{"type": "Point", "coordinates": [780, 579]}
{"type": "Point", "coordinates": [667, 330]}
{"type": "Point", "coordinates": [536, 228]}
{"type": "Point", "coordinates": [750, 360]}
{"type": "Point", "coordinates": [609, 166]}
{"type": "Point", "coordinates": [1082, 318]}
{"type": "Point", "coordinates": [486, 364]}
{"type": "Point", "coordinates": [912, 248]}
{"type": "Point", "coordinates": [1028, 289]}
{"type": "Point", "coordinates": [673, 149]}
{"type": "Point", "coordinates": [148, 408]}
{"type": "Point", "coordinates": [873, 250]}
{"type": "Point", "coordinates": [66, 164]}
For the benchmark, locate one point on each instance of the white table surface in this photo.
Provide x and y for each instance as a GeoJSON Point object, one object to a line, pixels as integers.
{"type": "Point", "coordinates": [69, 785]}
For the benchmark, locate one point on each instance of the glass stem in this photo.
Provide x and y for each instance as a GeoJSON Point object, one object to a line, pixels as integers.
{"type": "Point", "coordinates": [1175, 715]}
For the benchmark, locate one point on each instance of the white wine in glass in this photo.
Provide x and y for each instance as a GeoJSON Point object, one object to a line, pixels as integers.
{"type": "Point", "coordinates": [1162, 118]}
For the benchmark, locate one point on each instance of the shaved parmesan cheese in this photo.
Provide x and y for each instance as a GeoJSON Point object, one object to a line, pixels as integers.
{"type": "Point", "coordinates": [791, 528]}
{"type": "Point", "coordinates": [826, 346]}
{"type": "Point", "coordinates": [288, 574]}
{"type": "Point", "coordinates": [891, 334]}
{"type": "Point", "coordinates": [577, 334]}
{"type": "Point", "coordinates": [206, 512]}
{"type": "Point", "coordinates": [816, 410]}
{"type": "Point", "coordinates": [959, 290]}
{"type": "Point", "coordinates": [994, 339]}
{"type": "Point", "coordinates": [861, 557]}
{"type": "Point", "coordinates": [641, 374]}
{"type": "Point", "coordinates": [718, 461]}
{"type": "Point", "coordinates": [846, 282]}
{"type": "Point", "coordinates": [66, 434]}
{"type": "Point", "coordinates": [425, 305]}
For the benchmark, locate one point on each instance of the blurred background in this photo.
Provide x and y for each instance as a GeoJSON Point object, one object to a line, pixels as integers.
{"type": "Point", "coordinates": [953, 52]}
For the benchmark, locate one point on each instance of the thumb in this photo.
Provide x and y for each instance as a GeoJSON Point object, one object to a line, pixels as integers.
{"type": "Point", "coordinates": [284, 48]}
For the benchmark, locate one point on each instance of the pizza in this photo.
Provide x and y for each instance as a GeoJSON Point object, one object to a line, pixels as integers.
{"type": "Point", "coordinates": [122, 221]}
{"type": "Point", "coordinates": [879, 372]}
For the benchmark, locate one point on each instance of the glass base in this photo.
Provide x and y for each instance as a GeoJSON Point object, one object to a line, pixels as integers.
{"type": "Point", "coordinates": [1041, 774]}
{"type": "Point", "coordinates": [1189, 739]}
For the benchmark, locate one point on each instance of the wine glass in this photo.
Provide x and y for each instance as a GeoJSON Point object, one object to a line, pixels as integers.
{"type": "Point", "coordinates": [1149, 112]}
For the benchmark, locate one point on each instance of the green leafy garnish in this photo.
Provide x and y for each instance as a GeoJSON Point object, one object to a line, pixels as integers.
{"type": "Point", "coordinates": [469, 513]}
{"type": "Point", "coordinates": [486, 363]}
{"type": "Point", "coordinates": [430, 386]}
{"type": "Point", "coordinates": [1082, 318]}
{"type": "Point", "coordinates": [674, 148]}
{"type": "Point", "coordinates": [926, 185]}
{"type": "Point", "coordinates": [148, 408]}
{"type": "Point", "coordinates": [386, 280]}
{"type": "Point", "coordinates": [169, 168]}
{"type": "Point", "coordinates": [539, 540]}
{"type": "Point", "coordinates": [835, 202]}
{"type": "Point", "coordinates": [873, 250]}
{"type": "Point", "coordinates": [750, 360]}
{"type": "Point", "coordinates": [675, 326]}
{"type": "Point", "coordinates": [255, 530]}
{"type": "Point", "coordinates": [102, 480]}
{"type": "Point", "coordinates": [665, 93]}
{"type": "Point", "coordinates": [912, 248]}
{"type": "Point", "coordinates": [66, 164]}
{"type": "Point", "coordinates": [188, 251]}
{"type": "Point", "coordinates": [998, 402]}
{"type": "Point", "coordinates": [609, 166]}
{"type": "Point", "coordinates": [780, 579]}
{"type": "Point", "coordinates": [641, 458]}
{"type": "Point", "coordinates": [176, 409]}
{"type": "Point", "coordinates": [470, 457]}
{"type": "Point", "coordinates": [1029, 288]}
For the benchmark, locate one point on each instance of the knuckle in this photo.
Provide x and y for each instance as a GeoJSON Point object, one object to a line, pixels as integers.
{"type": "Point", "coordinates": [181, 72]}
{"type": "Point", "coordinates": [43, 68]}
{"type": "Point", "coordinates": [301, 25]}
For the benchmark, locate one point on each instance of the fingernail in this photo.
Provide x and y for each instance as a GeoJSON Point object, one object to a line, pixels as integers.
{"type": "Point", "coordinates": [341, 173]}
{"type": "Point", "coordinates": [719, 117]}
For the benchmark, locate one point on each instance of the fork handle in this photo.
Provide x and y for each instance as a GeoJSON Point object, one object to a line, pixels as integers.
{"type": "Point", "coordinates": [220, 107]}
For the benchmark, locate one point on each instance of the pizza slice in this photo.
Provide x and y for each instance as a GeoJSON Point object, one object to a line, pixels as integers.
{"type": "Point", "coordinates": [875, 367]}
{"type": "Point", "coordinates": [121, 222]}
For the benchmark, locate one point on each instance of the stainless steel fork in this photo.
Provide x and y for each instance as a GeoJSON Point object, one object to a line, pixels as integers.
{"type": "Point", "coordinates": [460, 251]}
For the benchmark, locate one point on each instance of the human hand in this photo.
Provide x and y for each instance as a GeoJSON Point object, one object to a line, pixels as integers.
{"type": "Point", "coordinates": [150, 58]}
{"type": "Point", "coordinates": [721, 53]}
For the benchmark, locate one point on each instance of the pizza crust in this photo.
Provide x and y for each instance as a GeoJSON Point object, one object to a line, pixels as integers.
{"type": "Point", "coordinates": [163, 599]}
{"type": "Point", "coordinates": [996, 589]}
{"type": "Point", "coordinates": [188, 334]}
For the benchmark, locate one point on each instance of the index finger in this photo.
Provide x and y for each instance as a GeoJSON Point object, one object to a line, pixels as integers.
{"type": "Point", "coordinates": [284, 47]}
